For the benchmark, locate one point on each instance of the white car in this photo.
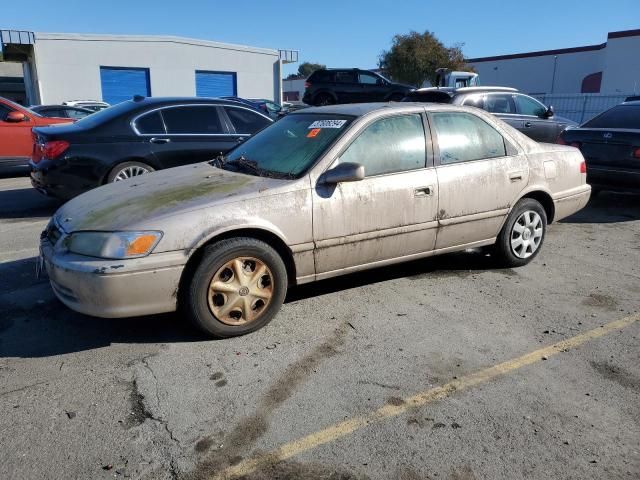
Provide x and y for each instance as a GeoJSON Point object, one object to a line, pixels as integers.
{"type": "Point", "coordinates": [93, 105]}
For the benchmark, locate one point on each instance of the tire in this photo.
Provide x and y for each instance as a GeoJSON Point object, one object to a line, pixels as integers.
{"type": "Point", "coordinates": [522, 235]}
{"type": "Point", "coordinates": [126, 170]}
{"type": "Point", "coordinates": [323, 99]}
{"type": "Point", "coordinates": [216, 298]}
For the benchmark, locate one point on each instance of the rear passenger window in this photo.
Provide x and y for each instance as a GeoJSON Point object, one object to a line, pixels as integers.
{"type": "Point", "coordinates": [192, 120]}
{"type": "Point", "coordinates": [389, 145]}
{"type": "Point", "coordinates": [463, 137]}
{"type": "Point", "coordinates": [499, 104]}
{"type": "Point", "coordinates": [245, 121]}
{"type": "Point", "coordinates": [150, 124]}
{"type": "Point", "coordinates": [346, 77]}
{"type": "Point", "coordinates": [321, 76]}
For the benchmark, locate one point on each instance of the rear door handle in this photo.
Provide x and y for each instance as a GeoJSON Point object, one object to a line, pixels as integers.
{"type": "Point", "coordinates": [423, 191]}
{"type": "Point", "coordinates": [160, 140]}
{"type": "Point", "coordinates": [516, 176]}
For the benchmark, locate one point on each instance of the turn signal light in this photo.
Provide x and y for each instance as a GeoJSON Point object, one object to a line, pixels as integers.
{"type": "Point", "coordinates": [583, 167]}
{"type": "Point", "coordinates": [560, 141]}
{"type": "Point", "coordinates": [53, 150]}
{"type": "Point", "coordinates": [141, 245]}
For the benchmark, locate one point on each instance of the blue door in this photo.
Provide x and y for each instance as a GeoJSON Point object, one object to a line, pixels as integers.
{"type": "Point", "coordinates": [120, 83]}
{"type": "Point", "coordinates": [216, 84]}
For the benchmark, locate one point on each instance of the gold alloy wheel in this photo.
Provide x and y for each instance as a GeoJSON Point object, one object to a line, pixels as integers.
{"type": "Point", "coordinates": [240, 291]}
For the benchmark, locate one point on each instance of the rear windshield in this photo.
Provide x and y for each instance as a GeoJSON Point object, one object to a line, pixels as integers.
{"type": "Point", "coordinates": [106, 114]}
{"type": "Point", "coordinates": [622, 116]}
{"type": "Point", "coordinates": [322, 76]}
{"type": "Point", "coordinates": [289, 147]}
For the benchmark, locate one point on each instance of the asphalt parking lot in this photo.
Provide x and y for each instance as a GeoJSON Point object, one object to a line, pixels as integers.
{"type": "Point", "coordinates": [445, 368]}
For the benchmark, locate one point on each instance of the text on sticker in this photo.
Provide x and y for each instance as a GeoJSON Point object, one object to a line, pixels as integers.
{"type": "Point", "coordinates": [328, 124]}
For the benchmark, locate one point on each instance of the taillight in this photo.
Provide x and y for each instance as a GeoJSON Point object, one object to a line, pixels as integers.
{"type": "Point", "coordinates": [636, 153]}
{"type": "Point", "coordinates": [583, 167]}
{"type": "Point", "coordinates": [576, 144]}
{"type": "Point", "coordinates": [307, 84]}
{"type": "Point", "coordinates": [53, 150]}
{"type": "Point", "coordinates": [560, 140]}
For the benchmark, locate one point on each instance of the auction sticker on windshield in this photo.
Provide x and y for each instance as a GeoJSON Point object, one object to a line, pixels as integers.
{"type": "Point", "coordinates": [328, 124]}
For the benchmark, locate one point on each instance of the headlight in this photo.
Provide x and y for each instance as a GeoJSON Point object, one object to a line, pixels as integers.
{"type": "Point", "coordinates": [116, 245]}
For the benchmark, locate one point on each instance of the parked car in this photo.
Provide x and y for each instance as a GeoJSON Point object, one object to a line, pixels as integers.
{"type": "Point", "coordinates": [610, 144]}
{"type": "Point", "coordinates": [351, 85]}
{"type": "Point", "coordinates": [62, 111]}
{"type": "Point", "coordinates": [137, 137]}
{"type": "Point", "coordinates": [16, 140]}
{"type": "Point", "coordinates": [521, 111]}
{"type": "Point", "coordinates": [320, 193]}
{"type": "Point", "coordinates": [93, 105]}
{"type": "Point", "coordinates": [273, 109]}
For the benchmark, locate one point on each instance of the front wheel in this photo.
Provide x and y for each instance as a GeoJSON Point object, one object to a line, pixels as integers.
{"type": "Point", "coordinates": [238, 287]}
{"type": "Point", "coordinates": [522, 235]}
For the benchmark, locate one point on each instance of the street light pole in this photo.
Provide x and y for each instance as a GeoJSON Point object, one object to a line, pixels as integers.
{"type": "Point", "coordinates": [553, 79]}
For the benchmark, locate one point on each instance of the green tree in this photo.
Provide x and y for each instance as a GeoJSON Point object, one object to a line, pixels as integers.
{"type": "Point", "coordinates": [307, 68]}
{"type": "Point", "coordinates": [414, 58]}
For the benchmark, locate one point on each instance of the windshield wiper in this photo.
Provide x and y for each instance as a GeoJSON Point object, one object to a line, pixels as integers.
{"type": "Point", "coordinates": [242, 163]}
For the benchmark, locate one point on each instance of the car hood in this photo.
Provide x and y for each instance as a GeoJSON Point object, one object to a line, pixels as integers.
{"type": "Point", "coordinates": [137, 202]}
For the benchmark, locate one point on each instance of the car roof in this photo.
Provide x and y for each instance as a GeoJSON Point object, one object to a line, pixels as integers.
{"type": "Point", "coordinates": [632, 102]}
{"type": "Point", "coordinates": [361, 109]}
{"type": "Point", "coordinates": [455, 91]}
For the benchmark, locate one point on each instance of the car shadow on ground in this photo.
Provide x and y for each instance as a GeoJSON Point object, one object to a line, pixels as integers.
{"type": "Point", "coordinates": [33, 323]}
{"type": "Point", "coordinates": [608, 207]}
{"type": "Point", "coordinates": [26, 203]}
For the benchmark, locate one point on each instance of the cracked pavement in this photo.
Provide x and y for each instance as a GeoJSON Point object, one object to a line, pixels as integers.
{"type": "Point", "coordinates": [150, 398]}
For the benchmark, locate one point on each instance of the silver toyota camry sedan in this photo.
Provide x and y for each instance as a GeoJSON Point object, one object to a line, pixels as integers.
{"type": "Point", "coordinates": [323, 192]}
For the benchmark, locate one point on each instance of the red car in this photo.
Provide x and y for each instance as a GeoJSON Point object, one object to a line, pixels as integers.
{"type": "Point", "coordinates": [16, 140]}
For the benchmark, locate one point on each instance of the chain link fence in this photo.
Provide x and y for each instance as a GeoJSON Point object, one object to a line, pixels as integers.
{"type": "Point", "coordinates": [581, 107]}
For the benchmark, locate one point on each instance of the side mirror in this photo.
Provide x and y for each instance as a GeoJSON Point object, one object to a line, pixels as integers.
{"type": "Point", "coordinates": [550, 112]}
{"type": "Point", "coordinates": [16, 117]}
{"type": "Point", "coordinates": [344, 172]}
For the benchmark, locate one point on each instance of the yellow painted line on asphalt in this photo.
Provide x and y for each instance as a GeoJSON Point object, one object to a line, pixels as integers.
{"type": "Point", "coordinates": [349, 426]}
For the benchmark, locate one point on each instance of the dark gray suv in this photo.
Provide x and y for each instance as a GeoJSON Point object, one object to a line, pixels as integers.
{"type": "Point", "coordinates": [351, 85]}
{"type": "Point", "coordinates": [522, 112]}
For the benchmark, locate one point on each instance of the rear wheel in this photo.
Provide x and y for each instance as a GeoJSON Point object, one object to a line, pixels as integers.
{"type": "Point", "coordinates": [127, 170]}
{"type": "Point", "coordinates": [323, 99]}
{"type": "Point", "coordinates": [522, 235]}
{"type": "Point", "coordinates": [238, 287]}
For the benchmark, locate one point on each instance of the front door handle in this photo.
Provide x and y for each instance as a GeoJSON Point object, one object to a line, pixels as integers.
{"type": "Point", "coordinates": [527, 124]}
{"type": "Point", "coordinates": [423, 191]}
{"type": "Point", "coordinates": [160, 140]}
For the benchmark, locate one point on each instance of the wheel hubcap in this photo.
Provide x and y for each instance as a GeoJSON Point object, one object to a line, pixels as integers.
{"type": "Point", "coordinates": [129, 172]}
{"type": "Point", "coordinates": [526, 234]}
{"type": "Point", "coordinates": [240, 291]}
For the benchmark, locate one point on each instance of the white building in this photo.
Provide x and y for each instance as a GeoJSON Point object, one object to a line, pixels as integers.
{"type": "Point", "coordinates": [113, 68]}
{"type": "Point", "coordinates": [612, 67]}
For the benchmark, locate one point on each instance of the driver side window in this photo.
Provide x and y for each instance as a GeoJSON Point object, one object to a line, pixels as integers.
{"type": "Point", "coordinates": [4, 111]}
{"type": "Point", "coordinates": [368, 79]}
{"type": "Point", "coordinates": [395, 144]}
{"type": "Point", "coordinates": [529, 106]}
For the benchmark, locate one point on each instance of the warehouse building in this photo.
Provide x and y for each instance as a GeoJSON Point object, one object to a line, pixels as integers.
{"type": "Point", "coordinates": [112, 68]}
{"type": "Point", "coordinates": [612, 67]}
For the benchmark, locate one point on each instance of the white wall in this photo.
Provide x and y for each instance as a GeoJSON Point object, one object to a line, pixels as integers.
{"type": "Point", "coordinates": [68, 65]}
{"type": "Point", "coordinates": [622, 66]}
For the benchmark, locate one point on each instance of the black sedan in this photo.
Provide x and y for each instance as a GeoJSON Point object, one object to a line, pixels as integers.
{"type": "Point", "coordinates": [521, 111]}
{"type": "Point", "coordinates": [610, 144]}
{"type": "Point", "coordinates": [61, 111]}
{"type": "Point", "coordinates": [137, 137]}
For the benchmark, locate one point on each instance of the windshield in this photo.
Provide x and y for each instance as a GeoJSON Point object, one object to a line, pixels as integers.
{"type": "Point", "coordinates": [289, 147]}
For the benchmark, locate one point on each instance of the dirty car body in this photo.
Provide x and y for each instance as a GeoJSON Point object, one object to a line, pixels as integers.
{"type": "Point", "coordinates": [384, 183]}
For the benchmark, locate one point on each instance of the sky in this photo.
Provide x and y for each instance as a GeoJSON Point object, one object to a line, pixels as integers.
{"type": "Point", "coordinates": [341, 33]}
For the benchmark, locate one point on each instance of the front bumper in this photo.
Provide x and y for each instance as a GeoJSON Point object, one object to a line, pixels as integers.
{"type": "Point", "coordinates": [114, 288]}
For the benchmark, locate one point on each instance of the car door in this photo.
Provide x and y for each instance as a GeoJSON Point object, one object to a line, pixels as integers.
{"type": "Point", "coordinates": [16, 141]}
{"type": "Point", "coordinates": [347, 88]}
{"type": "Point", "coordinates": [371, 88]}
{"type": "Point", "coordinates": [194, 133]}
{"type": "Point", "coordinates": [244, 122]}
{"type": "Point", "coordinates": [503, 106]}
{"type": "Point", "coordinates": [392, 212]}
{"type": "Point", "coordinates": [535, 123]}
{"type": "Point", "coordinates": [480, 175]}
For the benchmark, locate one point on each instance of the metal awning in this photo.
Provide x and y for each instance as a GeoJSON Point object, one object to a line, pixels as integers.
{"type": "Point", "coordinates": [16, 45]}
{"type": "Point", "coordinates": [289, 56]}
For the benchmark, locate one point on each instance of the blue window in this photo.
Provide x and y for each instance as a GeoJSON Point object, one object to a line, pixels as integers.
{"type": "Point", "coordinates": [216, 84]}
{"type": "Point", "coordinates": [122, 83]}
